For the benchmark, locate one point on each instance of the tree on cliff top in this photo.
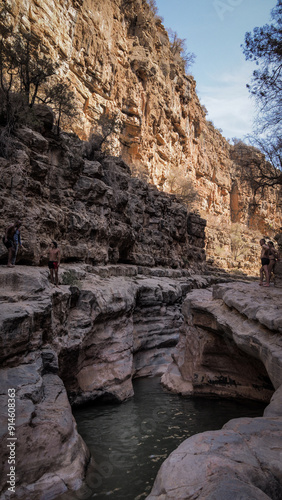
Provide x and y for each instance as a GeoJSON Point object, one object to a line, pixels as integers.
{"type": "Point", "coordinates": [179, 50]}
{"type": "Point", "coordinates": [264, 47]}
{"type": "Point", "coordinates": [25, 79]}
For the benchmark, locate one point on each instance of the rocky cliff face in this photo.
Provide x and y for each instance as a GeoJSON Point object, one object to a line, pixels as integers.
{"type": "Point", "coordinates": [220, 326]}
{"type": "Point", "coordinates": [95, 209]}
{"type": "Point", "coordinates": [88, 339]}
{"type": "Point", "coordinates": [239, 323]}
{"type": "Point", "coordinates": [117, 55]}
{"type": "Point", "coordinates": [42, 426]}
{"type": "Point", "coordinates": [77, 342]}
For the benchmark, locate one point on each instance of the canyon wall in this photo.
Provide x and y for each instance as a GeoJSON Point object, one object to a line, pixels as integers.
{"type": "Point", "coordinates": [230, 321]}
{"type": "Point", "coordinates": [88, 339]}
{"type": "Point", "coordinates": [96, 210]}
{"type": "Point", "coordinates": [231, 335]}
{"type": "Point", "coordinates": [77, 342]}
{"type": "Point", "coordinates": [117, 56]}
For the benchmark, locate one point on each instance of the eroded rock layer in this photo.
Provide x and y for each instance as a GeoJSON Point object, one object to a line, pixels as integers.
{"type": "Point", "coordinates": [223, 327]}
{"type": "Point", "coordinates": [78, 342]}
{"type": "Point", "coordinates": [96, 210]}
{"type": "Point", "coordinates": [117, 56]}
{"type": "Point", "coordinates": [87, 339]}
{"type": "Point", "coordinates": [244, 458]}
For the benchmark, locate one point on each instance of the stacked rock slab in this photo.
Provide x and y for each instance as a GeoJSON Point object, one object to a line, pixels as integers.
{"type": "Point", "coordinates": [79, 341]}
{"type": "Point", "coordinates": [243, 460]}
{"type": "Point", "coordinates": [96, 210]}
{"type": "Point", "coordinates": [118, 58]}
{"type": "Point", "coordinates": [50, 455]}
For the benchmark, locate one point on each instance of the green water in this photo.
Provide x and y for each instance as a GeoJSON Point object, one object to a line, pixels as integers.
{"type": "Point", "coordinates": [130, 441]}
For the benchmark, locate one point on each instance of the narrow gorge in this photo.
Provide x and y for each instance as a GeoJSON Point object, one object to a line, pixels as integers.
{"type": "Point", "coordinates": [85, 342]}
{"type": "Point", "coordinates": [131, 256]}
{"type": "Point", "coordinates": [146, 287]}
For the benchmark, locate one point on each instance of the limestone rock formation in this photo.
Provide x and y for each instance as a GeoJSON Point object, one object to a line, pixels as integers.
{"type": "Point", "coordinates": [118, 58]}
{"type": "Point", "coordinates": [44, 428]}
{"type": "Point", "coordinates": [88, 338]}
{"type": "Point", "coordinates": [97, 211]}
{"type": "Point", "coordinates": [221, 327]}
{"type": "Point", "coordinates": [244, 458]}
{"type": "Point", "coordinates": [80, 341]}
{"type": "Point", "coordinates": [45, 431]}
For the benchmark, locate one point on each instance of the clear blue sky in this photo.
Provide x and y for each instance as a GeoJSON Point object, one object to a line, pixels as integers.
{"type": "Point", "coordinates": [214, 31]}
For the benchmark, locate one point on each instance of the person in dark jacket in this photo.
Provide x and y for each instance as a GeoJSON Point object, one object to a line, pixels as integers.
{"type": "Point", "coordinates": [17, 241]}
{"type": "Point", "coordinates": [9, 241]}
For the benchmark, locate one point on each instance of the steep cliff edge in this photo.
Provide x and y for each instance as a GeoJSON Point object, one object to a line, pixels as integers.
{"type": "Point", "coordinates": [239, 323]}
{"type": "Point", "coordinates": [118, 58]}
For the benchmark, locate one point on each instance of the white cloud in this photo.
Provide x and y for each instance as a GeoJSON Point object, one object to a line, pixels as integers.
{"type": "Point", "coordinates": [228, 102]}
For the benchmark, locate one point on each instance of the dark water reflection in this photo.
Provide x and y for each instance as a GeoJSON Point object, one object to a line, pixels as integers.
{"type": "Point", "coordinates": [130, 441]}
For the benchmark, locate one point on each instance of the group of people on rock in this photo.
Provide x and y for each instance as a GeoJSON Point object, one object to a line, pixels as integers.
{"type": "Point", "coordinates": [12, 241]}
{"type": "Point", "coordinates": [269, 256]}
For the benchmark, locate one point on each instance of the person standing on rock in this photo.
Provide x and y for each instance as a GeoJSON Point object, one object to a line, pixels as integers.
{"type": "Point", "coordinates": [9, 242]}
{"type": "Point", "coordinates": [17, 241]}
{"type": "Point", "coordinates": [264, 262]}
{"type": "Point", "coordinates": [54, 262]}
{"type": "Point", "coordinates": [273, 257]}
